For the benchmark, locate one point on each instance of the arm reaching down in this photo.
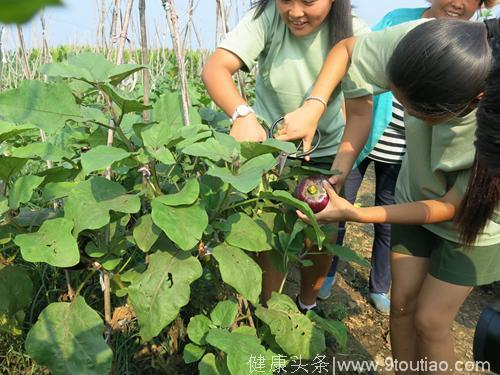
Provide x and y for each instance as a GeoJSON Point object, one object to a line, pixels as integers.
{"type": "Point", "coordinates": [418, 213]}
{"type": "Point", "coordinates": [218, 78]}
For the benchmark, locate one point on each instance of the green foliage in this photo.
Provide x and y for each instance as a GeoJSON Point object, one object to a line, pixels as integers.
{"type": "Point", "coordinates": [294, 332]}
{"type": "Point", "coordinates": [175, 219]}
{"type": "Point", "coordinates": [19, 11]}
{"type": "Point", "coordinates": [159, 293]}
{"type": "Point", "coordinates": [53, 244]}
{"type": "Point", "coordinates": [67, 338]}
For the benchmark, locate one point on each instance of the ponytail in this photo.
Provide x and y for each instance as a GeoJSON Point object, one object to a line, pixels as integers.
{"type": "Point", "coordinates": [479, 202]}
{"type": "Point", "coordinates": [339, 19]}
{"type": "Point", "coordinates": [482, 197]}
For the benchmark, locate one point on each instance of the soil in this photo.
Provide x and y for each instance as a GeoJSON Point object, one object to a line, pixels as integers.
{"type": "Point", "coordinates": [368, 331]}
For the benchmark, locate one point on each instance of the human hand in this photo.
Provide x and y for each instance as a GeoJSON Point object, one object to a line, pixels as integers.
{"type": "Point", "coordinates": [337, 182]}
{"type": "Point", "coordinates": [301, 124]}
{"type": "Point", "coordinates": [338, 209]}
{"type": "Point", "coordinates": [248, 128]}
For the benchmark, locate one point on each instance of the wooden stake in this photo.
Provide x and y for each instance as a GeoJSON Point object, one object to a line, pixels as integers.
{"type": "Point", "coordinates": [173, 25]}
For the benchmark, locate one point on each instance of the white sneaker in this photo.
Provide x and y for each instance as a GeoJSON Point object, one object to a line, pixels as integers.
{"type": "Point", "coordinates": [326, 289]}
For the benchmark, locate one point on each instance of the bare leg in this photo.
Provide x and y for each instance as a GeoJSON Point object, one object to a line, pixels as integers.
{"type": "Point", "coordinates": [437, 307]}
{"type": "Point", "coordinates": [408, 274]}
{"type": "Point", "coordinates": [271, 277]}
{"type": "Point", "coordinates": [312, 278]}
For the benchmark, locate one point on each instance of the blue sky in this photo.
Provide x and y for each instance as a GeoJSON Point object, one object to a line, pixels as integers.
{"type": "Point", "coordinates": [77, 21]}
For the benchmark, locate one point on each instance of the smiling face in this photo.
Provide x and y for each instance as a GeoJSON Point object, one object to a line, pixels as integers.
{"type": "Point", "coordinates": [458, 9]}
{"type": "Point", "coordinates": [303, 17]}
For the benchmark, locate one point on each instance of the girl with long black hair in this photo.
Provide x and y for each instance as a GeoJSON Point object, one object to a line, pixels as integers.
{"type": "Point", "coordinates": [446, 232]}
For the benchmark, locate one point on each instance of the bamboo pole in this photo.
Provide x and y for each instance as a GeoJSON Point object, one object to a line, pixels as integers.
{"type": "Point", "coordinates": [46, 58]}
{"type": "Point", "coordinates": [2, 57]}
{"type": "Point", "coordinates": [100, 28]}
{"type": "Point", "coordinates": [173, 25]}
{"type": "Point", "coordinates": [144, 56]}
{"type": "Point", "coordinates": [112, 30]}
{"type": "Point", "coordinates": [24, 54]}
{"type": "Point", "coordinates": [123, 32]}
{"type": "Point", "coordinates": [222, 16]}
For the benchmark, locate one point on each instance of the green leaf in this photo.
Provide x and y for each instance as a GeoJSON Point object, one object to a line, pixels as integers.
{"type": "Point", "coordinates": [337, 329]}
{"type": "Point", "coordinates": [45, 105]}
{"type": "Point", "coordinates": [347, 254]}
{"type": "Point", "coordinates": [198, 327]}
{"type": "Point", "coordinates": [95, 197]}
{"type": "Point", "coordinates": [249, 175]}
{"type": "Point", "coordinates": [119, 72]}
{"type": "Point", "coordinates": [250, 150]}
{"type": "Point", "coordinates": [16, 290]}
{"type": "Point", "coordinates": [124, 100]}
{"type": "Point", "coordinates": [209, 365]}
{"type": "Point", "coordinates": [188, 194]}
{"type": "Point", "coordinates": [20, 11]}
{"type": "Point", "coordinates": [68, 339]}
{"type": "Point", "coordinates": [22, 190]}
{"type": "Point", "coordinates": [10, 166]}
{"type": "Point", "coordinates": [211, 149]}
{"type": "Point", "coordinates": [57, 190]}
{"type": "Point", "coordinates": [101, 157]}
{"type": "Point", "coordinates": [245, 233]}
{"type": "Point", "coordinates": [90, 67]}
{"type": "Point", "coordinates": [42, 150]}
{"type": "Point", "coordinates": [240, 348]}
{"type": "Point", "coordinates": [168, 109]}
{"type": "Point", "coordinates": [294, 332]}
{"type": "Point", "coordinates": [4, 207]}
{"type": "Point", "coordinates": [184, 225]}
{"type": "Point", "coordinates": [8, 130]}
{"type": "Point", "coordinates": [52, 244]}
{"type": "Point", "coordinates": [240, 271]}
{"type": "Point", "coordinates": [224, 314]}
{"type": "Point", "coordinates": [145, 233]}
{"type": "Point", "coordinates": [161, 291]}
{"type": "Point", "coordinates": [192, 353]}
{"type": "Point", "coordinates": [286, 197]}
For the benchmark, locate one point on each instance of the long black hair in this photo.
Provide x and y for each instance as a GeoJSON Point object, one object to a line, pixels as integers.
{"type": "Point", "coordinates": [482, 196]}
{"type": "Point", "coordinates": [441, 66]}
{"type": "Point", "coordinates": [339, 19]}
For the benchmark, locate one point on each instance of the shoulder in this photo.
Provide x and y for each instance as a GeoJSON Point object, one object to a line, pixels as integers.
{"type": "Point", "coordinates": [397, 16]}
{"type": "Point", "coordinates": [359, 26]}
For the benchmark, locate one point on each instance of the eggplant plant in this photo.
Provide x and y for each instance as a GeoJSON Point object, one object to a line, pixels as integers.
{"type": "Point", "coordinates": [146, 217]}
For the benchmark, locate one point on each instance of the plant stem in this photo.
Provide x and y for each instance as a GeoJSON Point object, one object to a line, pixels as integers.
{"type": "Point", "coordinates": [248, 201]}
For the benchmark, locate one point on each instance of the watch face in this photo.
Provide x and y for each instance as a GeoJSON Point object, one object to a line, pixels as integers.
{"type": "Point", "coordinates": [243, 110]}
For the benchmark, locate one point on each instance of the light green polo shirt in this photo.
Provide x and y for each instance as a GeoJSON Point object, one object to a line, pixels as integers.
{"type": "Point", "coordinates": [287, 69]}
{"type": "Point", "coordinates": [439, 157]}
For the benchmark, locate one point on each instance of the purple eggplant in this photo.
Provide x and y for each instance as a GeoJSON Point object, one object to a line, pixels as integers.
{"type": "Point", "coordinates": [311, 191]}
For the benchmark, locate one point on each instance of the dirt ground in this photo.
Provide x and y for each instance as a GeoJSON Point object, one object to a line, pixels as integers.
{"type": "Point", "coordinates": [368, 331]}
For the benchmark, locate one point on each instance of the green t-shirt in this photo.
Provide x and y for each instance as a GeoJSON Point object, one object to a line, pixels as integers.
{"type": "Point", "coordinates": [287, 69]}
{"type": "Point", "coordinates": [439, 157]}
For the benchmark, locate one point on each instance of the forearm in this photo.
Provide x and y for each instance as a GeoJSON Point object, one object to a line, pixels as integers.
{"type": "Point", "coordinates": [356, 133]}
{"type": "Point", "coordinates": [218, 80]}
{"type": "Point", "coordinates": [334, 68]}
{"type": "Point", "coordinates": [421, 212]}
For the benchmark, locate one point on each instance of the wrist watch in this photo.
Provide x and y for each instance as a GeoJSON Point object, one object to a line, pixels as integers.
{"type": "Point", "coordinates": [241, 111]}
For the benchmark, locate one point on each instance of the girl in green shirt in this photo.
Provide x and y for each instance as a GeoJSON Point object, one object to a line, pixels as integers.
{"type": "Point", "coordinates": [289, 39]}
{"type": "Point", "coordinates": [447, 234]}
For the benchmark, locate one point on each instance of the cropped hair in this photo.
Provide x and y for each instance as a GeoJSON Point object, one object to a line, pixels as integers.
{"type": "Point", "coordinates": [441, 66]}
{"type": "Point", "coordinates": [482, 196]}
{"type": "Point", "coordinates": [339, 18]}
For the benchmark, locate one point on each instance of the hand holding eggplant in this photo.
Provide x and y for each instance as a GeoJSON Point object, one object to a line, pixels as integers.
{"type": "Point", "coordinates": [337, 209]}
